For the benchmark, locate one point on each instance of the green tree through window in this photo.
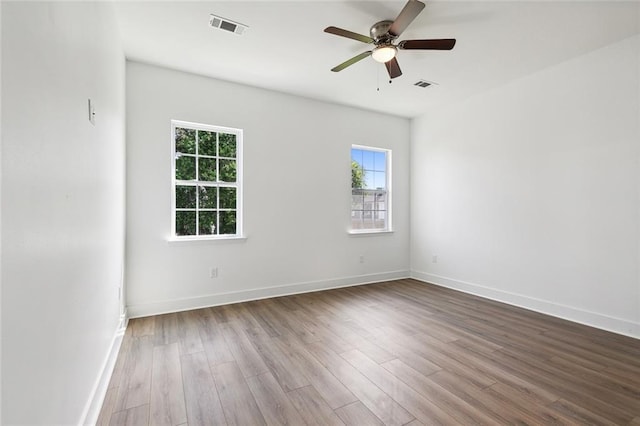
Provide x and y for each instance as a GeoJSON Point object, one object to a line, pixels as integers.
{"type": "Point", "coordinates": [206, 187]}
{"type": "Point", "coordinates": [357, 175]}
{"type": "Point", "coordinates": [370, 193]}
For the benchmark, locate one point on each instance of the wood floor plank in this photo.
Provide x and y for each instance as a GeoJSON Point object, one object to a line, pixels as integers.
{"type": "Point", "coordinates": [474, 343]}
{"type": "Point", "coordinates": [246, 356]}
{"type": "Point", "coordinates": [289, 374]}
{"type": "Point", "coordinates": [317, 331]}
{"type": "Point", "coordinates": [269, 324]}
{"type": "Point", "coordinates": [624, 403]}
{"type": "Point", "coordinates": [135, 384]}
{"type": "Point", "coordinates": [275, 406]}
{"type": "Point", "coordinates": [206, 323]}
{"type": "Point", "coordinates": [565, 389]}
{"type": "Point", "coordinates": [238, 403]}
{"type": "Point", "coordinates": [313, 408]}
{"type": "Point", "coordinates": [188, 333]}
{"type": "Point", "coordinates": [466, 363]}
{"type": "Point", "coordinates": [378, 294]}
{"type": "Point", "coordinates": [216, 348]}
{"type": "Point", "coordinates": [356, 340]}
{"type": "Point", "coordinates": [308, 330]}
{"type": "Point", "coordinates": [312, 304]}
{"type": "Point", "coordinates": [118, 368]}
{"type": "Point", "coordinates": [203, 405]}
{"type": "Point", "coordinates": [578, 414]}
{"type": "Point", "coordinates": [622, 373]}
{"type": "Point", "coordinates": [443, 406]}
{"type": "Point", "coordinates": [613, 384]}
{"type": "Point", "coordinates": [484, 363]}
{"type": "Point", "coordinates": [398, 352]}
{"type": "Point", "coordinates": [296, 324]}
{"type": "Point", "coordinates": [630, 355]}
{"type": "Point", "coordinates": [240, 314]}
{"type": "Point", "coordinates": [415, 403]}
{"type": "Point", "coordinates": [221, 313]}
{"type": "Point", "coordinates": [415, 423]}
{"type": "Point", "coordinates": [328, 386]}
{"type": "Point", "coordinates": [167, 405]}
{"type": "Point", "coordinates": [287, 303]}
{"type": "Point", "coordinates": [433, 352]}
{"type": "Point", "coordinates": [166, 329]}
{"type": "Point", "coordinates": [381, 404]}
{"type": "Point", "coordinates": [352, 309]}
{"type": "Point", "coordinates": [409, 357]}
{"type": "Point", "coordinates": [142, 326]}
{"type": "Point", "coordinates": [530, 410]}
{"type": "Point", "coordinates": [416, 318]}
{"type": "Point", "coordinates": [356, 414]}
{"type": "Point", "coordinates": [135, 416]}
{"type": "Point", "coordinates": [473, 394]}
{"type": "Point", "coordinates": [104, 418]}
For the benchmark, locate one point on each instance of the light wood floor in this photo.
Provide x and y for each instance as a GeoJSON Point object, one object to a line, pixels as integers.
{"type": "Point", "coordinates": [394, 353]}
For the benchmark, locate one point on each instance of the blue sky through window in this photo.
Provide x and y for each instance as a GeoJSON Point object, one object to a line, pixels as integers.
{"type": "Point", "coordinates": [374, 164]}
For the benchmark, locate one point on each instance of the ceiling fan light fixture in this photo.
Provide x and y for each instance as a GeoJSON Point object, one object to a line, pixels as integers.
{"type": "Point", "coordinates": [384, 53]}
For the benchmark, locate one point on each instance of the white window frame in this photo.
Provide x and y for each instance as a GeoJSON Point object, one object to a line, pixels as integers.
{"type": "Point", "coordinates": [237, 184]}
{"type": "Point", "coordinates": [389, 192]}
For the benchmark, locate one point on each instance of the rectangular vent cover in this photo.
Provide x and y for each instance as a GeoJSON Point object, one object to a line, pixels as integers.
{"type": "Point", "coordinates": [423, 83]}
{"type": "Point", "coordinates": [226, 24]}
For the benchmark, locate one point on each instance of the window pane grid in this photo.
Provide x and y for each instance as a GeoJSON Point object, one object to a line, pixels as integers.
{"type": "Point", "coordinates": [206, 183]}
{"type": "Point", "coordinates": [370, 188]}
{"type": "Point", "coordinates": [207, 210]}
{"type": "Point", "coordinates": [206, 191]}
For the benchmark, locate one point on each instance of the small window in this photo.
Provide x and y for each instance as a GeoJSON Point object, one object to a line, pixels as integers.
{"type": "Point", "coordinates": [370, 189]}
{"type": "Point", "coordinates": [206, 181]}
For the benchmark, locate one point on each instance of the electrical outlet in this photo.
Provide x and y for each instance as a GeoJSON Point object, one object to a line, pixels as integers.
{"type": "Point", "coordinates": [361, 259]}
{"type": "Point", "coordinates": [213, 272]}
{"type": "Point", "coordinates": [434, 258]}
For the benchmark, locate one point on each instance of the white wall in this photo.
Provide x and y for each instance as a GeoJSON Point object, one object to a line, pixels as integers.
{"type": "Point", "coordinates": [296, 195]}
{"type": "Point", "coordinates": [62, 207]}
{"type": "Point", "coordinates": [530, 193]}
{"type": "Point", "coordinates": [0, 215]}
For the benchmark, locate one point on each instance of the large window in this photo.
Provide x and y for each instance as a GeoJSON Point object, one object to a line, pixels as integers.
{"type": "Point", "coordinates": [370, 189]}
{"type": "Point", "coordinates": [207, 190]}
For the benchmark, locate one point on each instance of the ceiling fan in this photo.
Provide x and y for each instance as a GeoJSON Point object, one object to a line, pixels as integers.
{"type": "Point", "coordinates": [383, 35]}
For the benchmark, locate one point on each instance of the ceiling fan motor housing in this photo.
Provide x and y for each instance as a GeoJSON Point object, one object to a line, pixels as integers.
{"type": "Point", "coordinates": [380, 32]}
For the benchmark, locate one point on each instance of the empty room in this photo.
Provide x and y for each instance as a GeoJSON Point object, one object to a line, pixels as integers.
{"type": "Point", "coordinates": [320, 212]}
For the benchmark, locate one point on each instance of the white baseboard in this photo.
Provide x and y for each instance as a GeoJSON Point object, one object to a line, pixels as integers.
{"type": "Point", "coordinates": [593, 319]}
{"type": "Point", "coordinates": [163, 307]}
{"type": "Point", "coordinates": [123, 322]}
{"type": "Point", "coordinates": [96, 399]}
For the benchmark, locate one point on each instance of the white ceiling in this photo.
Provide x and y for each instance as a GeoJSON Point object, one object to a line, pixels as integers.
{"type": "Point", "coordinates": [285, 48]}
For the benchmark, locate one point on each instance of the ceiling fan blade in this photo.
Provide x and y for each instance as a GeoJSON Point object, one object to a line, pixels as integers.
{"type": "Point", "coordinates": [351, 61]}
{"type": "Point", "coordinates": [393, 68]}
{"type": "Point", "coordinates": [436, 44]}
{"type": "Point", "coordinates": [410, 11]}
{"type": "Point", "coordinates": [348, 34]}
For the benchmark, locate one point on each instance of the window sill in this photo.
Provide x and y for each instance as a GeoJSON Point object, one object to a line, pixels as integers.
{"type": "Point", "coordinates": [204, 240]}
{"type": "Point", "coordinates": [368, 232]}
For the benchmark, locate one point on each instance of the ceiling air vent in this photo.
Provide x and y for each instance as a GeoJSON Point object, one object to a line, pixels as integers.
{"type": "Point", "coordinates": [423, 83]}
{"type": "Point", "coordinates": [226, 25]}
